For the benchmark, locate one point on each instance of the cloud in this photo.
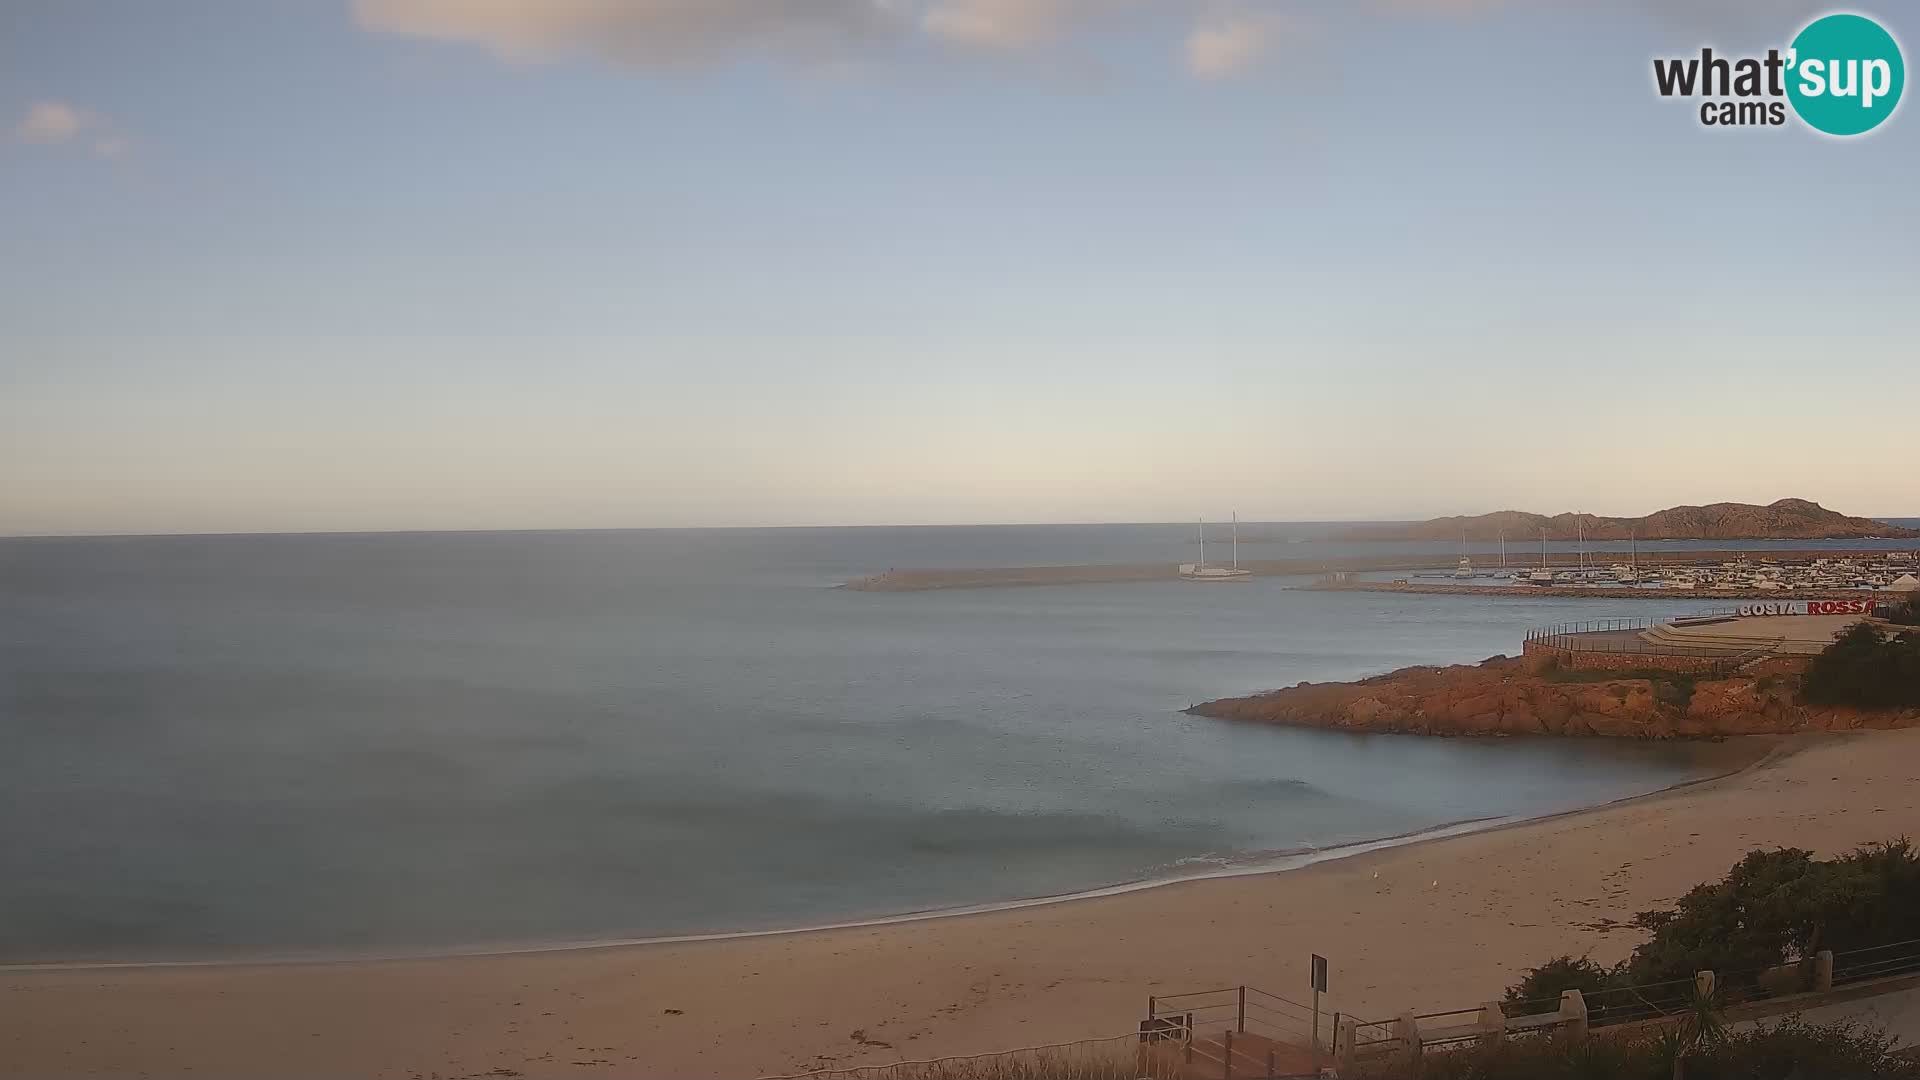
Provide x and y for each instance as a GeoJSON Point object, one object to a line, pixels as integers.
{"type": "Point", "coordinates": [1225, 46]}
{"type": "Point", "coordinates": [636, 33]}
{"type": "Point", "coordinates": [53, 121]}
{"type": "Point", "coordinates": [1013, 24]}
{"type": "Point", "coordinates": [59, 123]}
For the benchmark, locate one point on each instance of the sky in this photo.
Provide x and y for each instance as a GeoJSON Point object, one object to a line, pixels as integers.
{"type": "Point", "coordinates": [446, 264]}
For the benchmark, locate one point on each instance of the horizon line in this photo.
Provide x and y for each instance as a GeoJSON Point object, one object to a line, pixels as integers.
{"type": "Point", "coordinates": [1889, 519]}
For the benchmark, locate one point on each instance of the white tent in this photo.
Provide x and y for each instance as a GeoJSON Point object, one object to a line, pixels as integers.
{"type": "Point", "coordinates": [1905, 583]}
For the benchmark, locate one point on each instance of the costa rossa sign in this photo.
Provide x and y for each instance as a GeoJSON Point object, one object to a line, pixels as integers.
{"type": "Point", "coordinates": [1808, 607]}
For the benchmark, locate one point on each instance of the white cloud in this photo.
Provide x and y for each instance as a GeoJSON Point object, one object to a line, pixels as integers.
{"type": "Point", "coordinates": [61, 123]}
{"type": "Point", "coordinates": [1217, 37]}
{"type": "Point", "coordinates": [53, 121]}
{"type": "Point", "coordinates": [1012, 24]}
{"type": "Point", "coordinates": [1224, 46]}
{"type": "Point", "coordinates": [635, 32]}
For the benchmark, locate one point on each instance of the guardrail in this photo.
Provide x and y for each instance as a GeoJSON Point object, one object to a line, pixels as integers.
{"type": "Point", "coordinates": [1876, 962]}
{"type": "Point", "coordinates": [1238, 1031]}
{"type": "Point", "coordinates": [1580, 637]}
{"type": "Point", "coordinates": [1799, 983]}
{"type": "Point", "coordinates": [1624, 636]}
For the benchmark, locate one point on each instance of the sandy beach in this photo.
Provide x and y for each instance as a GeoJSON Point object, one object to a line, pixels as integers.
{"type": "Point", "coordinates": [1437, 924]}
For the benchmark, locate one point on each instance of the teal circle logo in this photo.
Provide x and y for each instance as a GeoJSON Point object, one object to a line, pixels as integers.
{"type": "Point", "coordinates": [1845, 74]}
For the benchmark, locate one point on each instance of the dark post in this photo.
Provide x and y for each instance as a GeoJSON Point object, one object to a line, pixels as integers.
{"type": "Point", "coordinates": [1319, 980]}
{"type": "Point", "coordinates": [1240, 1024]}
{"type": "Point", "coordinates": [1270, 1073]}
{"type": "Point", "coordinates": [1150, 1001]}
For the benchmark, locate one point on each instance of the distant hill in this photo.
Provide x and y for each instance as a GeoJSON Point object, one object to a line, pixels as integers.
{"type": "Point", "coordinates": [1788, 519]}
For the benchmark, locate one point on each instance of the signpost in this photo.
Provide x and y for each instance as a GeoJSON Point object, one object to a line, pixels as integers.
{"type": "Point", "coordinates": [1319, 987]}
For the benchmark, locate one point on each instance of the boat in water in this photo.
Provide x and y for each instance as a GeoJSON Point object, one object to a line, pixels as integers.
{"type": "Point", "coordinates": [1200, 571]}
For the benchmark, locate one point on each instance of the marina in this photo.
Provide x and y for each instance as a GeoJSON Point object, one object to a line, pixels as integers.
{"type": "Point", "coordinates": [1895, 571]}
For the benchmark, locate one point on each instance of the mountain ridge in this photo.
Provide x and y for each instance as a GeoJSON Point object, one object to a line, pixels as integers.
{"type": "Point", "coordinates": [1784, 519]}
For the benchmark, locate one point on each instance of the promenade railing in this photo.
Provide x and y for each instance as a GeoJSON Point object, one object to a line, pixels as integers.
{"type": "Point", "coordinates": [1759, 990]}
{"type": "Point", "coordinates": [1287, 1035]}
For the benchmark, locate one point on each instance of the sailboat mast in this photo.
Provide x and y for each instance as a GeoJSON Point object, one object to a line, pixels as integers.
{"type": "Point", "coordinates": [1236, 539]}
{"type": "Point", "coordinates": [1203, 543]}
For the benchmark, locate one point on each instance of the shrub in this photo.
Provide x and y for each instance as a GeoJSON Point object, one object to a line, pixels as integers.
{"type": "Point", "coordinates": [1789, 1050]}
{"type": "Point", "coordinates": [1793, 1049]}
{"type": "Point", "coordinates": [1907, 612]}
{"type": "Point", "coordinates": [1558, 975]}
{"type": "Point", "coordinates": [1675, 690]}
{"type": "Point", "coordinates": [1866, 668]}
{"type": "Point", "coordinates": [1765, 908]}
{"type": "Point", "coordinates": [1770, 908]}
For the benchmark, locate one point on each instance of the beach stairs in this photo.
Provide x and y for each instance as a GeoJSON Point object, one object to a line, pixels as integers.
{"type": "Point", "coordinates": [1245, 1055]}
{"type": "Point", "coordinates": [1234, 1033]}
{"type": "Point", "coordinates": [1687, 642]}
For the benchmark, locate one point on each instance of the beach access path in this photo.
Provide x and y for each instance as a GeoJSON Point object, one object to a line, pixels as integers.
{"type": "Point", "coordinates": [1440, 924]}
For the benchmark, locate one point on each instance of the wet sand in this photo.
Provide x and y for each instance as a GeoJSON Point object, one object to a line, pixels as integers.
{"type": "Point", "coordinates": [1439, 924]}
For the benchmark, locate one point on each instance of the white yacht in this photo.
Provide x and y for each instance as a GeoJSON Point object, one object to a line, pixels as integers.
{"type": "Point", "coordinates": [1542, 576]}
{"type": "Point", "coordinates": [1200, 571]}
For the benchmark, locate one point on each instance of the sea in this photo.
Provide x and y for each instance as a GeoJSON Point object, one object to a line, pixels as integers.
{"type": "Point", "coordinates": [277, 746]}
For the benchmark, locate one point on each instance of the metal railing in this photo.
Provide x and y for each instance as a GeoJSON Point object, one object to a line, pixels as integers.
{"type": "Point", "coordinates": [1642, 1001]}
{"type": "Point", "coordinates": [1876, 962]}
{"type": "Point", "coordinates": [1624, 636]}
{"type": "Point", "coordinates": [1462, 1025]}
{"type": "Point", "coordinates": [1613, 1006]}
{"type": "Point", "coordinates": [1195, 1017]}
{"type": "Point", "coordinates": [1242, 1008]}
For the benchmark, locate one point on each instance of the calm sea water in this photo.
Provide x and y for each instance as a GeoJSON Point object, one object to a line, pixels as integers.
{"type": "Point", "coordinates": [270, 745]}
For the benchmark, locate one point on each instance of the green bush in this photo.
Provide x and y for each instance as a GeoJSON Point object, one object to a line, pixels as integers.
{"type": "Point", "coordinates": [1772, 907]}
{"type": "Point", "coordinates": [1793, 1049]}
{"type": "Point", "coordinates": [1558, 975]}
{"type": "Point", "coordinates": [1789, 1050]}
{"type": "Point", "coordinates": [1674, 690]}
{"type": "Point", "coordinates": [1866, 668]}
{"type": "Point", "coordinates": [1907, 612]}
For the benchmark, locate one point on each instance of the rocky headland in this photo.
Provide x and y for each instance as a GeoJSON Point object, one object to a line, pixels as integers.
{"type": "Point", "coordinates": [1528, 696]}
{"type": "Point", "coordinates": [1787, 519]}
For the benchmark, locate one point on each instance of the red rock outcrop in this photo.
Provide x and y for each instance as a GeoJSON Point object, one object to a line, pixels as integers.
{"type": "Point", "coordinates": [1506, 696]}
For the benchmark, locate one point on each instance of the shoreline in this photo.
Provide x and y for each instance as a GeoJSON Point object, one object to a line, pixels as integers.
{"type": "Point", "coordinates": [1597, 592]}
{"type": "Point", "coordinates": [1440, 923]}
{"type": "Point", "coordinates": [923, 580]}
{"type": "Point", "coordinates": [1270, 863]}
{"type": "Point", "coordinates": [1765, 748]}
